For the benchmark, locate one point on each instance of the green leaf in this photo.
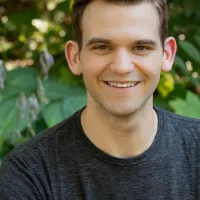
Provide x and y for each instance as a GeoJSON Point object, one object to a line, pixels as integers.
{"type": "Point", "coordinates": [65, 6]}
{"type": "Point", "coordinates": [180, 64]}
{"type": "Point", "coordinates": [179, 92]}
{"type": "Point", "coordinates": [9, 92]}
{"type": "Point", "coordinates": [54, 90]}
{"type": "Point", "coordinates": [159, 101]}
{"type": "Point", "coordinates": [74, 103]}
{"type": "Point", "coordinates": [74, 91]}
{"type": "Point", "coordinates": [197, 38]}
{"type": "Point", "coordinates": [189, 7]}
{"type": "Point", "coordinates": [5, 45]}
{"type": "Point", "coordinates": [11, 119]}
{"type": "Point", "coordinates": [194, 81]}
{"type": "Point", "coordinates": [8, 117]}
{"type": "Point", "coordinates": [52, 113]}
{"type": "Point", "coordinates": [18, 81]}
{"type": "Point", "coordinates": [22, 20]}
{"type": "Point", "coordinates": [191, 50]}
{"type": "Point", "coordinates": [4, 148]}
{"type": "Point", "coordinates": [23, 79]}
{"type": "Point", "coordinates": [189, 107]}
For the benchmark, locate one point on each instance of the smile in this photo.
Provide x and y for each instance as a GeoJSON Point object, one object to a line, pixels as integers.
{"type": "Point", "coordinates": [122, 85]}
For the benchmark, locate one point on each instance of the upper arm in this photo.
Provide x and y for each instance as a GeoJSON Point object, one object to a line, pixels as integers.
{"type": "Point", "coordinates": [18, 181]}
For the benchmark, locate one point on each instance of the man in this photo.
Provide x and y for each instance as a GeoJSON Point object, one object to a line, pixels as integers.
{"type": "Point", "coordinates": [119, 146]}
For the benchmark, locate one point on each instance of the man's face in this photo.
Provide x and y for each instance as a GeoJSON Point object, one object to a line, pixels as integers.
{"type": "Point", "coordinates": [121, 57]}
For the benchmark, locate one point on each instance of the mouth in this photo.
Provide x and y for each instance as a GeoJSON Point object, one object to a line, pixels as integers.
{"type": "Point", "coordinates": [122, 85]}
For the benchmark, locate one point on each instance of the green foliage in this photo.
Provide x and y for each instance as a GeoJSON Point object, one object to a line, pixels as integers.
{"type": "Point", "coordinates": [189, 105]}
{"type": "Point", "coordinates": [19, 117]}
{"type": "Point", "coordinates": [190, 50]}
{"type": "Point", "coordinates": [37, 96]}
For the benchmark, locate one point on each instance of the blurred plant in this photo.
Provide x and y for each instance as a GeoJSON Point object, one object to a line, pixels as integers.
{"type": "Point", "coordinates": [34, 107]}
{"type": "Point", "coordinates": [36, 88]}
{"type": "Point", "coordinates": [2, 76]}
{"type": "Point", "coordinates": [46, 62]}
{"type": "Point", "coordinates": [41, 91]}
{"type": "Point", "coordinates": [166, 84]}
{"type": "Point", "coordinates": [22, 105]}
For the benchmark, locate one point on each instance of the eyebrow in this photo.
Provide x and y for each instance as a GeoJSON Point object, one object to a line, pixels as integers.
{"type": "Point", "coordinates": [146, 42]}
{"type": "Point", "coordinates": [96, 40]}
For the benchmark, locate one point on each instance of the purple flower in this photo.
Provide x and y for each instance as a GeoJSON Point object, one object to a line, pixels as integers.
{"type": "Point", "coordinates": [2, 75]}
{"type": "Point", "coordinates": [34, 107]}
{"type": "Point", "coordinates": [46, 61]}
{"type": "Point", "coordinates": [22, 105]}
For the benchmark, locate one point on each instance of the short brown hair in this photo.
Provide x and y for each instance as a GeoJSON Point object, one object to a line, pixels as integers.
{"type": "Point", "coordinates": [79, 7]}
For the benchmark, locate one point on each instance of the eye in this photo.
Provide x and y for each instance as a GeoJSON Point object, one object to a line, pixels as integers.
{"type": "Point", "coordinates": [141, 48]}
{"type": "Point", "coordinates": [101, 47]}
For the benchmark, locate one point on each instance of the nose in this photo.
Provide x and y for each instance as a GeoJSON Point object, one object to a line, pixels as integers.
{"type": "Point", "coordinates": [122, 62]}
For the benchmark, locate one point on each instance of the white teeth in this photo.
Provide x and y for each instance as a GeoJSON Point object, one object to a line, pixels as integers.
{"type": "Point", "coordinates": [119, 85]}
{"type": "Point", "coordinates": [122, 85]}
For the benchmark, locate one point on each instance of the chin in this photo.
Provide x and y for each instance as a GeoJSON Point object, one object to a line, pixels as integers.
{"type": "Point", "coordinates": [121, 110]}
{"type": "Point", "coordinates": [127, 109]}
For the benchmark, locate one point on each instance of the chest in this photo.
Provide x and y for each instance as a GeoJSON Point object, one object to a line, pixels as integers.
{"type": "Point", "coordinates": [150, 181]}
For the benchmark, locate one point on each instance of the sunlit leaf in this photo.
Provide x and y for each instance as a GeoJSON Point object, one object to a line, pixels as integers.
{"type": "Point", "coordinates": [4, 45]}
{"type": "Point", "coordinates": [166, 84]}
{"type": "Point", "coordinates": [189, 107]}
{"type": "Point", "coordinates": [41, 25]}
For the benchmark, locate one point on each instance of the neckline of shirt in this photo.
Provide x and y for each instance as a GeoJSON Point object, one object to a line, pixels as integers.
{"type": "Point", "coordinates": [103, 156]}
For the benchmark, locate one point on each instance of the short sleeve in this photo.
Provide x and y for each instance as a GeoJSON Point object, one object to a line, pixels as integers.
{"type": "Point", "coordinates": [17, 181]}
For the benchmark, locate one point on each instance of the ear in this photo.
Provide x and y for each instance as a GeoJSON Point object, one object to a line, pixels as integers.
{"type": "Point", "coordinates": [170, 48]}
{"type": "Point", "coordinates": [72, 56]}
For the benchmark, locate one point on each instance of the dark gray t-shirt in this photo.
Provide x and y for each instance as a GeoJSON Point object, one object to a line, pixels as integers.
{"type": "Point", "coordinates": [62, 164]}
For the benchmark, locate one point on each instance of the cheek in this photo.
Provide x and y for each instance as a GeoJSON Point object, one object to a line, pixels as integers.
{"type": "Point", "coordinates": [150, 67]}
{"type": "Point", "coordinates": [93, 67]}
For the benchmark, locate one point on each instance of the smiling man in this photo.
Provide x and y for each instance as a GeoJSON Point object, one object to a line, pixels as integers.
{"type": "Point", "coordinates": [120, 54]}
{"type": "Point", "coordinates": [119, 146]}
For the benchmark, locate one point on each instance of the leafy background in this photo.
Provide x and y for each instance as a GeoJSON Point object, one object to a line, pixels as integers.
{"type": "Point", "coordinates": [37, 89]}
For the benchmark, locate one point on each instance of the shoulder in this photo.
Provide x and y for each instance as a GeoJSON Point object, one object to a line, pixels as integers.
{"type": "Point", "coordinates": [178, 120]}
{"type": "Point", "coordinates": [43, 147]}
{"type": "Point", "coordinates": [30, 165]}
{"type": "Point", "coordinates": [181, 128]}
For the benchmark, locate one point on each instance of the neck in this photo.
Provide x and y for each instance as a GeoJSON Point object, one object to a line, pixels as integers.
{"type": "Point", "coordinates": [122, 137]}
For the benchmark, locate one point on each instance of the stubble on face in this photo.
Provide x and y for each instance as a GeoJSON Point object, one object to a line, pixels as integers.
{"type": "Point", "coordinates": [126, 25]}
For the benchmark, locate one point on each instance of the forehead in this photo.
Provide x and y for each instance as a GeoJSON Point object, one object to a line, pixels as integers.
{"type": "Point", "coordinates": [102, 19]}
